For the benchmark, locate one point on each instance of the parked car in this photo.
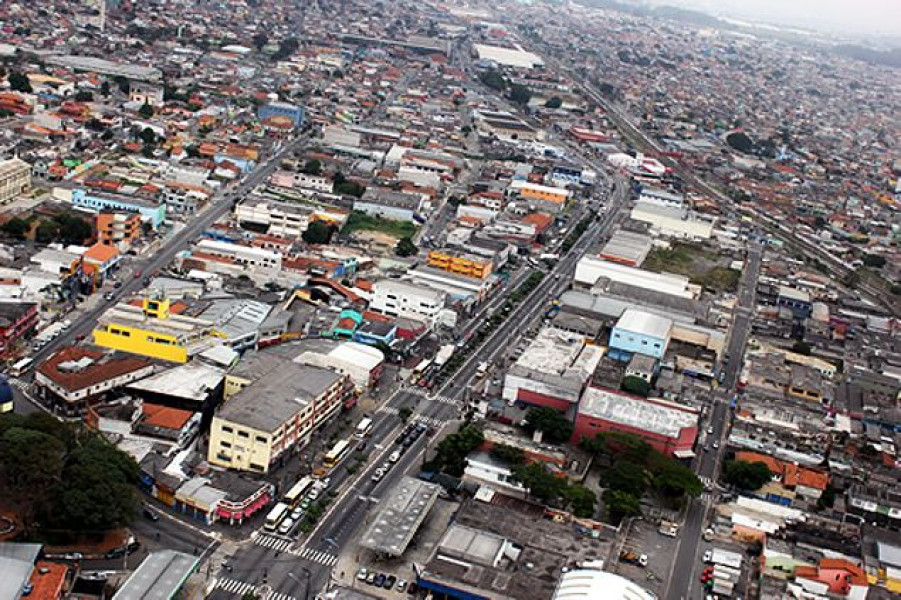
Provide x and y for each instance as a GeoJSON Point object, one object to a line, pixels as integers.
{"type": "Point", "coordinates": [401, 585]}
{"type": "Point", "coordinates": [363, 573]}
{"type": "Point", "coordinates": [379, 580]}
{"type": "Point", "coordinates": [286, 526]}
{"type": "Point", "coordinates": [389, 582]}
{"type": "Point", "coordinates": [377, 476]}
{"type": "Point", "coordinates": [708, 556]}
{"type": "Point", "coordinates": [370, 579]}
{"type": "Point", "coordinates": [151, 515]}
{"type": "Point", "coordinates": [394, 456]}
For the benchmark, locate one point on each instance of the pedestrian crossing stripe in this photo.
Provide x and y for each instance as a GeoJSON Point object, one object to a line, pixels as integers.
{"type": "Point", "coordinates": [391, 410]}
{"type": "Point", "coordinates": [279, 596]}
{"type": "Point", "coordinates": [268, 541]}
{"type": "Point", "coordinates": [317, 556]}
{"type": "Point", "coordinates": [438, 398]}
{"type": "Point", "coordinates": [233, 586]}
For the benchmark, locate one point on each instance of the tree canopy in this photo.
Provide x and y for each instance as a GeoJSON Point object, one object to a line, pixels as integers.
{"type": "Point", "coordinates": [318, 232]}
{"type": "Point", "coordinates": [312, 167]}
{"type": "Point", "coordinates": [746, 475]}
{"type": "Point", "coordinates": [451, 452]}
{"type": "Point", "coordinates": [146, 110]}
{"type": "Point", "coordinates": [554, 102]}
{"type": "Point", "coordinates": [555, 427]}
{"type": "Point", "coordinates": [405, 247]}
{"type": "Point", "coordinates": [66, 477]}
{"type": "Point", "coordinates": [636, 385]}
{"type": "Point", "coordinates": [493, 79]}
{"type": "Point", "coordinates": [18, 82]}
{"type": "Point", "coordinates": [520, 94]}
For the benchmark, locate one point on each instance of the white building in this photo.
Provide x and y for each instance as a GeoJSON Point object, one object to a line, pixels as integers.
{"type": "Point", "coordinates": [360, 362]}
{"type": "Point", "coordinates": [482, 469]}
{"type": "Point", "coordinates": [588, 584]}
{"type": "Point", "coordinates": [320, 183]}
{"type": "Point", "coordinates": [674, 221]}
{"type": "Point", "coordinates": [402, 299]}
{"type": "Point", "coordinates": [282, 218]}
{"type": "Point", "coordinates": [15, 179]}
{"type": "Point", "coordinates": [590, 269]}
{"type": "Point", "coordinates": [256, 259]}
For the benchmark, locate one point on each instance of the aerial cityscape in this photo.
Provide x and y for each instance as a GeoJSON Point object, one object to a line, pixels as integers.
{"type": "Point", "coordinates": [464, 300]}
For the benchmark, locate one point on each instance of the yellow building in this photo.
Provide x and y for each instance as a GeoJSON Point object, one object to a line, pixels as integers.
{"type": "Point", "coordinates": [467, 265]}
{"type": "Point", "coordinates": [543, 193]}
{"type": "Point", "coordinates": [151, 330]}
{"type": "Point", "coordinates": [267, 418]}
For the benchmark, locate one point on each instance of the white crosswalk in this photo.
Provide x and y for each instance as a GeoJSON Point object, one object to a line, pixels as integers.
{"type": "Point", "coordinates": [233, 586]}
{"type": "Point", "coordinates": [317, 556]}
{"type": "Point", "coordinates": [437, 398]}
{"type": "Point", "coordinates": [268, 541]}
{"type": "Point", "coordinates": [432, 421]}
{"type": "Point", "coordinates": [279, 596]}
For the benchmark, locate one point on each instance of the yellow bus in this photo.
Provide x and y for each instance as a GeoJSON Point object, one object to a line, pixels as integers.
{"type": "Point", "coordinates": [336, 454]}
{"type": "Point", "coordinates": [298, 491]}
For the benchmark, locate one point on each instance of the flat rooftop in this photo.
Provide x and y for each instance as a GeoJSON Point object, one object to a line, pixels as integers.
{"type": "Point", "coordinates": [266, 404]}
{"type": "Point", "coordinates": [401, 514]}
{"type": "Point", "coordinates": [159, 577]}
{"type": "Point", "coordinates": [657, 416]}
{"type": "Point", "coordinates": [627, 246]}
{"type": "Point", "coordinates": [192, 381]}
{"type": "Point", "coordinates": [552, 351]}
{"type": "Point", "coordinates": [645, 323]}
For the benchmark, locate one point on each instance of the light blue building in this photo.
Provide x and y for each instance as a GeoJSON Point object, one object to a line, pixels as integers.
{"type": "Point", "coordinates": [639, 332]}
{"type": "Point", "coordinates": [150, 211]}
{"type": "Point", "coordinates": [283, 109]}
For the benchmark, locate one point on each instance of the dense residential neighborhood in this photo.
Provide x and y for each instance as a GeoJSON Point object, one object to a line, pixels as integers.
{"type": "Point", "coordinates": [466, 300]}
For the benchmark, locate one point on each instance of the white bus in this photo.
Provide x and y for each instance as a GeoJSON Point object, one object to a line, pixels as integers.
{"type": "Point", "coordinates": [298, 491]}
{"type": "Point", "coordinates": [276, 515]}
{"type": "Point", "coordinates": [21, 367]}
{"type": "Point", "coordinates": [336, 454]}
{"type": "Point", "coordinates": [364, 428]}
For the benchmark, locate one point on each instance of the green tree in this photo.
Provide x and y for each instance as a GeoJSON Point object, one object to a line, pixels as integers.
{"type": "Point", "coordinates": [520, 94]}
{"type": "Point", "coordinates": [260, 40]}
{"type": "Point", "coordinates": [674, 479]}
{"type": "Point", "coordinates": [405, 247]}
{"type": "Point", "coordinates": [15, 227]}
{"type": "Point", "coordinates": [801, 347]}
{"type": "Point", "coordinates": [148, 136]}
{"type": "Point", "coordinates": [451, 452]}
{"type": "Point", "coordinates": [122, 82]}
{"type": "Point", "coordinates": [541, 483]}
{"type": "Point", "coordinates": [746, 475]}
{"type": "Point", "coordinates": [146, 110]}
{"type": "Point", "coordinates": [83, 96]}
{"type": "Point", "coordinates": [626, 476]}
{"type": "Point", "coordinates": [405, 413]}
{"type": "Point", "coordinates": [508, 454]}
{"type": "Point", "coordinates": [72, 230]}
{"type": "Point", "coordinates": [621, 505]}
{"type": "Point", "coordinates": [740, 141]}
{"type": "Point", "coordinates": [312, 167]}
{"type": "Point", "coordinates": [31, 460]}
{"type": "Point", "coordinates": [287, 47]}
{"type": "Point", "coordinates": [318, 232]}
{"type": "Point", "coordinates": [555, 427]}
{"type": "Point", "coordinates": [554, 102]}
{"type": "Point", "coordinates": [147, 150]}
{"type": "Point", "coordinates": [877, 261]}
{"type": "Point", "coordinates": [349, 188]}
{"type": "Point", "coordinates": [636, 385]}
{"type": "Point", "coordinates": [18, 82]}
{"type": "Point", "coordinates": [581, 500]}
{"type": "Point", "coordinates": [105, 88]}
{"type": "Point", "coordinates": [46, 232]}
{"type": "Point", "coordinates": [493, 79]}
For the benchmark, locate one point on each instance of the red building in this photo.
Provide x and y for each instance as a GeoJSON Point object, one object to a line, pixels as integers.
{"type": "Point", "coordinates": [17, 319]}
{"type": "Point", "coordinates": [668, 427]}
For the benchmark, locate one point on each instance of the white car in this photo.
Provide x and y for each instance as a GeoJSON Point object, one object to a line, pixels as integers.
{"type": "Point", "coordinates": [708, 556]}
{"type": "Point", "coordinates": [286, 526]}
{"type": "Point", "coordinates": [394, 457]}
{"type": "Point", "coordinates": [379, 473]}
{"type": "Point", "coordinates": [643, 560]}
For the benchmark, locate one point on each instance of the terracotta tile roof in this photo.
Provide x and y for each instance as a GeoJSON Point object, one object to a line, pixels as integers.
{"type": "Point", "coordinates": [101, 253]}
{"type": "Point", "coordinates": [792, 474]}
{"type": "Point", "coordinates": [165, 417]}
{"type": "Point", "coordinates": [858, 576]}
{"type": "Point", "coordinates": [48, 585]}
{"type": "Point", "coordinates": [104, 367]}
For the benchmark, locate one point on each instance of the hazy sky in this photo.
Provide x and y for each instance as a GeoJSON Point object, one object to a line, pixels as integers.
{"type": "Point", "coordinates": [878, 17]}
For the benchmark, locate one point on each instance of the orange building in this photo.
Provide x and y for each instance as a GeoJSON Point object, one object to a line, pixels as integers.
{"type": "Point", "coordinates": [117, 228]}
{"type": "Point", "coordinates": [467, 265]}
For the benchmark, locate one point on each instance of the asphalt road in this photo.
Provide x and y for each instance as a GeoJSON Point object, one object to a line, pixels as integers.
{"type": "Point", "coordinates": [682, 584]}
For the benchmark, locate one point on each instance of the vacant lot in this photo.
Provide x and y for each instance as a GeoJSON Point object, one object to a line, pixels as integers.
{"type": "Point", "coordinates": [704, 267]}
{"type": "Point", "coordinates": [359, 221]}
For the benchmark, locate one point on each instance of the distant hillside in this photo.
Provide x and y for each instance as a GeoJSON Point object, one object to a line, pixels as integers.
{"type": "Point", "coordinates": [890, 58]}
{"type": "Point", "coordinates": [672, 13]}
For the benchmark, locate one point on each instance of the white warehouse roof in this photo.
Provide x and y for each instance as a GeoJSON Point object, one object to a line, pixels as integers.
{"type": "Point", "coordinates": [590, 268]}
{"type": "Point", "coordinates": [358, 354]}
{"type": "Point", "coordinates": [588, 584]}
{"type": "Point", "coordinates": [656, 416]}
{"type": "Point", "coordinates": [645, 323]}
{"type": "Point", "coordinates": [509, 56]}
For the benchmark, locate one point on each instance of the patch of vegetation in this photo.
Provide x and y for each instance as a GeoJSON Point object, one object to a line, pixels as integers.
{"type": "Point", "coordinates": [696, 263]}
{"type": "Point", "coordinates": [746, 475]}
{"type": "Point", "coordinates": [360, 221]}
{"type": "Point", "coordinates": [555, 427]}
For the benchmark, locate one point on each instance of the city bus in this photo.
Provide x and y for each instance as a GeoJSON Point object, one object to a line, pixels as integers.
{"type": "Point", "coordinates": [276, 516]}
{"type": "Point", "coordinates": [422, 367]}
{"type": "Point", "coordinates": [298, 491]}
{"type": "Point", "coordinates": [336, 454]}
{"type": "Point", "coordinates": [6, 402]}
{"type": "Point", "coordinates": [21, 367]}
{"type": "Point", "coordinates": [364, 428]}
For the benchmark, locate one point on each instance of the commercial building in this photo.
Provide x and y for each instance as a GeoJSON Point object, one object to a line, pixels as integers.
{"type": "Point", "coordinates": [146, 93]}
{"type": "Point", "coordinates": [265, 420]}
{"type": "Point", "coordinates": [590, 269]}
{"type": "Point", "coordinates": [362, 363]}
{"type": "Point", "coordinates": [247, 257]}
{"type": "Point", "coordinates": [15, 179]}
{"type": "Point", "coordinates": [92, 64]}
{"type": "Point", "coordinates": [642, 333]}
{"type": "Point", "coordinates": [674, 221]}
{"type": "Point", "coordinates": [388, 204]}
{"type": "Point", "coordinates": [152, 330]}
{"type": "Point", "coordinates": [542, 196]}
{"type": "Point", "coordinates": [280, 218]}
{"type": "Point", "coordinates": [668, 427]}
{"type": "Point", "coordinates": [461, 263]}
{"type": "Point", "coordinates": [508, 57]}
{"type": "Point", "coordinates": [73, 377]}
{"type": "Point", "coordinates": [17, 320]}
{"type": "Point", "coordinates": [504, 126]}
{"type": "Point", "coordinates": [797, 301]}
{"type": "Point", "coordinates": [118, 228]}
{"type": "Point", "coordinates": [297, 114]}
{"type": "Point", "coordinates": [152, 212]}
{"type": "Point", "coordinates": [402, 299]}
{"type": "Point", "coordinates": [195, 387]}
{"type": "Point", "coordinates": [627, 248]}
{"type": "Point", "coordinates": [399, 517]}
{"type": "Point", "coordinates": [589, 584]}
{"type": "Point", "coordinates": [553, 371]}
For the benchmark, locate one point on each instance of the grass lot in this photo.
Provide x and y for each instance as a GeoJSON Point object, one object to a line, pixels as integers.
{"type": "Point", "coordinates": [359, 221]}
{"type": "Point", "coordinates": [703, 267]}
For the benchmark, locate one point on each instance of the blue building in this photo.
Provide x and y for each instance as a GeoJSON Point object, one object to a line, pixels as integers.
{"type": "Point", "coordinates": [374, 333]}
{"type": "Point", "coordinates": [150, 211]}
{"type": "Point", "coordinates": [283, 109]}
{"type": "Point", "coordinates": [797, 301]}
{"type": "Point", "coordinates": [639, 332]}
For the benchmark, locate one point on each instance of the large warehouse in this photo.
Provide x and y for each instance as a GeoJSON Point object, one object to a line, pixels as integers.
{"type": "Point", "coordinates": [668, 427]}
{"type": "Point", "coordinates": [590, 269]}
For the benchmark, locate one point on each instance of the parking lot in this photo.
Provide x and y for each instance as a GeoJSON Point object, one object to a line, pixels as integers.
{"type": "Point", "coordinates": [644, 539]}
